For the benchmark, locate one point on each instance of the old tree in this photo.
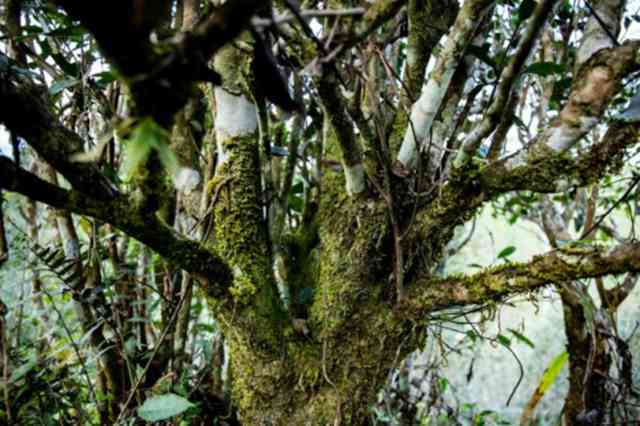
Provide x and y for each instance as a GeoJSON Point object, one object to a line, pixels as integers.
{"type": "Point", "coordinates": [298, 171]}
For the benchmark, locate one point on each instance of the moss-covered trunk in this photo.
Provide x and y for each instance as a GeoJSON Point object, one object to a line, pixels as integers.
{"type": "Point", "coordinates": [332, 374]}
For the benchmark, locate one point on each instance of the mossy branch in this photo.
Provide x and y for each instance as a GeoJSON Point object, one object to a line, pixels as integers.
{"type": "Point", "coordinates": [25, 112]}
{"type": "Point", "coordinates": [563, 265]}
{"type": "Point", "coordinates": [472, 186]}
{"type": "Point", "coordinates": [342, 126]}
{"type": "Point", "coordinates": [189, 255]}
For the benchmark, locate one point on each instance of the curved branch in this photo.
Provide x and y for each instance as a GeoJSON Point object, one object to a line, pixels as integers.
{"type": "Point", "coordinates": [567, 264]}
{"type": "Point", "coordinates": [471, 187]}
{"type": "Point", "coordinates": [551, 172]}
{"type": "Point", "coordinates": [594, 87]}
{"type": "Point", "coordinates": [342, 125]}
{"type": "Point", "coordinates": [189, 255]}
{"type": "Point", "coordinates": [544, 167]}
{"type": "Point", "coordinates": [24, 111]}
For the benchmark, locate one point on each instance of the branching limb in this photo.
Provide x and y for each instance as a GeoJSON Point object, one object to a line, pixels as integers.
{"type": "Point", "coordinates": [188, 255]}
{"type": "Point", "coordinates": [377, 14]}
{"type": "Point", "coordinates": [567, 264]}
{"type": "Point", "coordinates": [24, 111]}
{"type": "Point", "coordinates": [421, 41]}
{"type": "Point", "coordinates": [160, 79]}
{"type": "Point", "coordinates": [309, 13]}
{"type": "Point", "coordinates": [461, 197]}
{"type": "Point", "coordinates": [426, 107]}
{"type": "Point", "coordinates": [507, 79]}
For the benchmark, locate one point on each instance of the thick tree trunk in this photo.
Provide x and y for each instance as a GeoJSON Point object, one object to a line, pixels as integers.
{"type": "Point", "coordinates": [333, 374]}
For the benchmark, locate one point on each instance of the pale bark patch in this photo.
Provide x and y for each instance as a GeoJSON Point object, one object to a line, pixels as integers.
{"type": "Point", "coordinates": [236, 115]}
{"type": "Point", "coordinates": [354, 176]}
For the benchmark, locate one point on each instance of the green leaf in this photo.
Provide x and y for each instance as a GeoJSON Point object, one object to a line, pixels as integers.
{"type": "Point", "coordinates": [163, 407]}
{"type": "Point", "coordinates": [544, 69]}
{"type": "Point", "coordinates": [24, 369]}
{"type": "Point", "coordinates": [526, 9]}
{"type": "Point", "coordinates": [503, 340]}
{"type": "Point", "coordinates": [472, 335]}
{"type": "Point", "coordinates": [443, 384]}
{"type": "Point", "coordinates": [506, 252]}
{"type": "Point", "coordinates": [59, 85]}
{"type": "Point", "coordinates": [145, 137]}
{"type": "Point", "coordinates": [66, 66]}
{"type": "Point", "coordinates": [552, 372]}
{"type": "Point", "coordinates": [297, 188]}
{"type": "Point", "coordinates": [168, 158]}
{"type": "Point", "coordinates": [521, 337]}
{"type": "Point", "coordinates": [296, 203]}
{"type": "Point", "coordinates": [104, 78]}
{"type": "Point", "coordinates": [136, 152]}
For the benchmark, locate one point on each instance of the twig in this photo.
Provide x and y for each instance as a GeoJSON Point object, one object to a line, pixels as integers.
{"type": "Point", "coordinates": [212, 203]}
{"type": "Point", "coordinates": [635, 182]}
{"type": "Point", "coordinates": [309, 13]}
{"type": "Point", "coordinates": [133, 391]}
{"type": "Point", "coordinates": [515, 388]}
{"type": "Point", "coordinates": [74, 345]}
{"type": "Point", "coordinates": [602, 24]}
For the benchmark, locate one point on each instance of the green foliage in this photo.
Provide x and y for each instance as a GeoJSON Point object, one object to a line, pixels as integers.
{"type": "Point", "coordinates": [62, 84]}
{"type": "Point", "coordinates": [147, 136]}
{"type": "Point", "coordinates": [506, 252]}
{"type": "Point", "coordinates": [552, 372]}
{"type": "Point", "coordinates": [522, 338]}
{"type": "Point", "coordinates": [163, 407]}
{"type": "Point", "coordinates": [545, 69]}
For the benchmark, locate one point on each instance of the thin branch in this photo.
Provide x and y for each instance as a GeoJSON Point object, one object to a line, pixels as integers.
{"type": "Point", "coordinates": [615, 205]}
{"type": "Point", "coordinates": [309, 13]}
{"type": "Point", "coordinates": [424, 110]}
{"type": "Point", "coordinates": [24, 111]}
{"type": "Point", "coordinates": [143, 373]}
{"type": "Point", "coordinates": [506, 82]}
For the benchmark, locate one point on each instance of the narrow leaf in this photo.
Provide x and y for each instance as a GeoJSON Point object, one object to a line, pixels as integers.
{"type": "Point", "coordinates": [503, 340]}
{"type": "Point", "coordinates": [549, 377]}
{"type": "Point", "coordinates": [521, 337]}
{"type": "Point", "coordinates": [59, 85]}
